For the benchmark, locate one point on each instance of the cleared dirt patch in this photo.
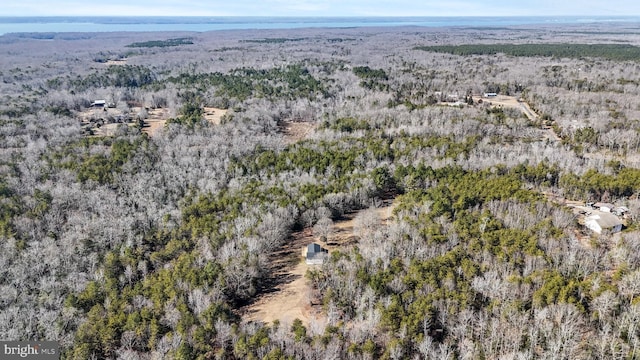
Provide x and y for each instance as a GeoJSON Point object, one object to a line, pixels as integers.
{"type": "Point", "coordinates": [510, 102]}
{"type": "Point", "coordinates": [518, 104]}
{"type": "Point", "coordinates": [288, 302]}
{"type": "Point", "coordinates": [289, 295]}
{"type": "Point", "coordinates": [116, 62]}
{"type": "Point", "coordinates": [343, 231]}
{"type": "Point", "coordinates": [296, 131]}
{"type": "Point", "coordinates": [214, 115]}
{"type": "Point", "coordinates": [107, 129]}
{"type": "Point", "coordinates": [156, 119]}
{"type": "Point", "coordinates": [102, 121]}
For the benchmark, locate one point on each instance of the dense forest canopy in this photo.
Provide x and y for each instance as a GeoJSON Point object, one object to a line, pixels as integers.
{"type": "Point", "coordinates": [157, 189]}
{"type": "Point", "coordinates": [620, 52]}
{"type": "Point", "coordinates": [161, 43]}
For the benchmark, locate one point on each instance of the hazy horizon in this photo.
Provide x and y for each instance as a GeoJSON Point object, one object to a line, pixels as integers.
{"type": "Point", "coordinates": [315, 8]}
{"type": "Point", "coordinates": [62, 24]}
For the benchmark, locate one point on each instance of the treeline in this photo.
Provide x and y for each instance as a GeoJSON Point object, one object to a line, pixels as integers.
{"type": "Point", "coordinates": [595, 185]}
{"type": "Point", "coordinates": [616, 52]}
{"type": "Point", "coordinates": [82, 158]}
{"type": "Point", "coordinates": [161, 43]}
{"type": "Point", "coordinates": [372, 78]}
{"type": "Point", "coordinates": [289, 82]}
{"type": "Point", "coordinates": [125, 76]}
{"type": "Point", "coordinates": [273, 40]}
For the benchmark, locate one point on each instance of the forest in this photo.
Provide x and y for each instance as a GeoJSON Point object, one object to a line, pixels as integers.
{"type": "Point", "coordinates": [151, 185]}
{"type": "Point", "coordinates": [567, 50]}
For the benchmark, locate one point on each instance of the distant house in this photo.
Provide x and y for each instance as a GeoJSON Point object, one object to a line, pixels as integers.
{"type": "Point", "coordinates": [620, 210]}
{"type": "Point", "coordinates": [99, 103]}
{"type": "Point", "coordinates": [600, 221]}
{"type": "Point", "coordinates": [606, 207]}
{"type": "Point", "coordinates": [316, 254]}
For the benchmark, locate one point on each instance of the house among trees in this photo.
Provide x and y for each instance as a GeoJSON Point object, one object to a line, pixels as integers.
{"type": "Point", "coordinates": [99, 104]}
{"type": "Point", "coordinates": [600, 221]}
{"type": "Point", "coordinates": [621, 211]}
{"type": "Point", "coordinates": [606, 207]}
{"type": "Point", "coordinates": [316, 254]}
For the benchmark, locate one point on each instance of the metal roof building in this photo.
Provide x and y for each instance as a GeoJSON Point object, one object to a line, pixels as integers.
{"type": "Point", "coordinates": [599, 221]}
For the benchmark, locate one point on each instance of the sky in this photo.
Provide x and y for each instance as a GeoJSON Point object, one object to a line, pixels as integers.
{"type": "Point", "coordinates": [320, 8]}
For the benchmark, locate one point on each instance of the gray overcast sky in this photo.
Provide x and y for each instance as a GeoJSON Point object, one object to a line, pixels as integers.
{"type": "Point", "coordinates": [320, 8]}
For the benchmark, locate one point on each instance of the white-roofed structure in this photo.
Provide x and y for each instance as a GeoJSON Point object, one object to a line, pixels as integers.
{"type": "Point", "coordinates": [99, 103]}
{"type": "Point", "coordinates": [599, 221]}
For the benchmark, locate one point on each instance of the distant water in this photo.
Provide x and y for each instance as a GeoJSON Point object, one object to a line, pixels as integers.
{"type": "Point", "coordinates": [199, 24]}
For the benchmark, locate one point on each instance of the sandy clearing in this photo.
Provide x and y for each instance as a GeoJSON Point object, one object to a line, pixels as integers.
{"type": "Point", "coordinates": [287, 293]}
{"type": "Point", "coordinates": [289, 302]}
{"type": "Point", "coordinates": [214, 115]}
{"type": "Point", "coordinates": [291, 297]}
{"type": "Point", "coordinates": [100, 122]}
{"type": "Point", "coordinates": [343, 231]}
{"type": "Point", "coordinates": [97, 113]}
{"type": "Point", "coordinates": [511, 102]}
{"type": "Point", "coordinates": [116, 62]}
{"type": "Point", "coordinates": [152, 127]}
{"type": "Point", "coordinates": [516, 103]}
{"type": "Point", "coordinates": [157, 118]}
{"type": "Point", "coordinates": [296, 131]}
{"type": "Point", "coordinates": [106, 130]}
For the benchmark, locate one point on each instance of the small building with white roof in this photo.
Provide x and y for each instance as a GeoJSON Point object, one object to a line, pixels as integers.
{"type": "Point", "coordinates": [599, 221]}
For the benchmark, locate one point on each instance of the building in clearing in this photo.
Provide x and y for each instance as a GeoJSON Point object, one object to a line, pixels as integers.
{"type": "Point", "coordinates": [606, 207]}
{"type": "Point", "coordinates": [599, 221]}
{"type": "Point", "coordinates": [99, 103]}
{"type": "Point", "coordinates": [316, 254]}
{"type": "Point", "coordinates": [621, 211]}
